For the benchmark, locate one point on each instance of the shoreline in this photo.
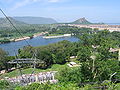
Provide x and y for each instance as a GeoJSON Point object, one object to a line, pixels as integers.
{"type": "Point", "coordinates": [65, 35]}
{"type": "Point", "coordinates": [39, 34]}
{"type": "Point", "coordinates": [25, 37]}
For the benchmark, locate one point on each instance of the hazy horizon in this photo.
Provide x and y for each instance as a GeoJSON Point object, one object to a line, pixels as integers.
{"type": "Point", "coordinates": [106, 11]}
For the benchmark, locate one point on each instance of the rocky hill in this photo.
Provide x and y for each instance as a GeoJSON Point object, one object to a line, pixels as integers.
{"type": "Point", "coordinates": [81, 21]}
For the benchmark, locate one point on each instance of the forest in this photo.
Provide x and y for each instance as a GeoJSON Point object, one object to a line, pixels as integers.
{"type": "Point", "coordinates": [98, 63]}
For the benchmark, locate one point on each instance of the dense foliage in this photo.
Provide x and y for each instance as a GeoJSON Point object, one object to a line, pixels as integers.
{"type": "Point", "coordinates": [3, 60]}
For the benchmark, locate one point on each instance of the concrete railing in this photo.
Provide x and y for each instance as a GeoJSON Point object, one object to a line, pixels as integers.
{"type": "Point", "coordinates": [26, 79]}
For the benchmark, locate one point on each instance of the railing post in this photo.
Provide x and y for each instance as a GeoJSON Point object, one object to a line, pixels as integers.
{"type": "Point", "coordinates": [119, 55]}
{"type": "Point", "coordinates": [36, 76]}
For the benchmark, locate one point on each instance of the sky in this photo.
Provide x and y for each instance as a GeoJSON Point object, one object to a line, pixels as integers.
{"type": "Point", "coordinates": [107, 11]}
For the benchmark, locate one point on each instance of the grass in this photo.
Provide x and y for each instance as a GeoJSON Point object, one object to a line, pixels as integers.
{"type": "Point", "coordinates": [55, 67]}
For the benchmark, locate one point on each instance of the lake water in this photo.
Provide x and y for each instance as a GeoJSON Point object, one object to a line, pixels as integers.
{"type": "Point", "coordinates": [13, 47]}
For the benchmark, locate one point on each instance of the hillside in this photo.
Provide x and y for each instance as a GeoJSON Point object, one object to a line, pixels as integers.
{"type": "Point", "coordinates": [5, 23]}
{"type": "Point", "coordinates": [35, 20]}
{"type": "Point", "coordinates": [81, 21]}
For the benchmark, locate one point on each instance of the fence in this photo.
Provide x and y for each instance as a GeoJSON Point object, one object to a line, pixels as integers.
{"type": "Point", "coordinates": [26, 79]}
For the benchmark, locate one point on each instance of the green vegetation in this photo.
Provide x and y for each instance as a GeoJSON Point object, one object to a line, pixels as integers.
{"type": "Point", "coordinates": [59, 86]}
{"type": "Point", "coordinates": [99, 68]}
{"type": "Point", "coordinates": [69, 30]}
{"type": "Point", "coordinates": [4, 40]}
{"type": "Point", "coordinates": [8, 33]}
{"type": "Point", "coordinates": [3, 60]}
{"type": "Point", "coordinates": [26, 30]}
{"type": "Point", "coordinates": [56, 53]}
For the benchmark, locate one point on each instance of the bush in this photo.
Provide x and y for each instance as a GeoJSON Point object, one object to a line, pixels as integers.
{"type": "Point", "coordinates": [5, 85]}
{"type": "Point", "coordinates": [70, 75]}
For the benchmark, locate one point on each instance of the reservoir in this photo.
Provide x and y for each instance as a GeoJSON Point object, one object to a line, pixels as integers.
{"type": "Point", "coordinates": [13, 47]}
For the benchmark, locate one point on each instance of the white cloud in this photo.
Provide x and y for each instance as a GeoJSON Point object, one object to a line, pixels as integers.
{"type": "Point", "coordinates": [23, 3]}
{"type": "Point", "coordinates": [26, 2]}
{"type": "Point", "coordinates": [20, 4]}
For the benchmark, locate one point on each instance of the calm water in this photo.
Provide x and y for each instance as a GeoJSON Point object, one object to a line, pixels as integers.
{"type": "Point", "coordinates": [38, 41]}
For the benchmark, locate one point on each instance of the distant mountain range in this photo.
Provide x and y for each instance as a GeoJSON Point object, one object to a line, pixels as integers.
{"type": "Point", "coordinates": [18, 21]}
{"type": "Point", "coordinates": [35, 20]}
{"type": "Point", "coordinates": [26, 20]}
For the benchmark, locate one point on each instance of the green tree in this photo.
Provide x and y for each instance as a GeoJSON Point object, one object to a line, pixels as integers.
{"type": "Point", "coordinates": [102, 70]}
{"type": "Point", "coordinates": [45, 56]}
{"type": "Point", "coordinates": [26, 52]}
{"type": "Point", "coordinates": [84, 53]}
{"type": "Point", "coordinates": [3, 59]}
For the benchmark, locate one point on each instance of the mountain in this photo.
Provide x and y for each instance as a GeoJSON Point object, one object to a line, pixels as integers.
{"type": "Point", "coordinates": [5, 23]}
{"type": "Point", "coordinates": [81, 21]}
{"type": "Point", "coordinates": [35, 20]}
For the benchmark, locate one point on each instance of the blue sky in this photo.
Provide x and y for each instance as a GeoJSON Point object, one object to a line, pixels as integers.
{"type": "Point", "coordinates": [107, 11]}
